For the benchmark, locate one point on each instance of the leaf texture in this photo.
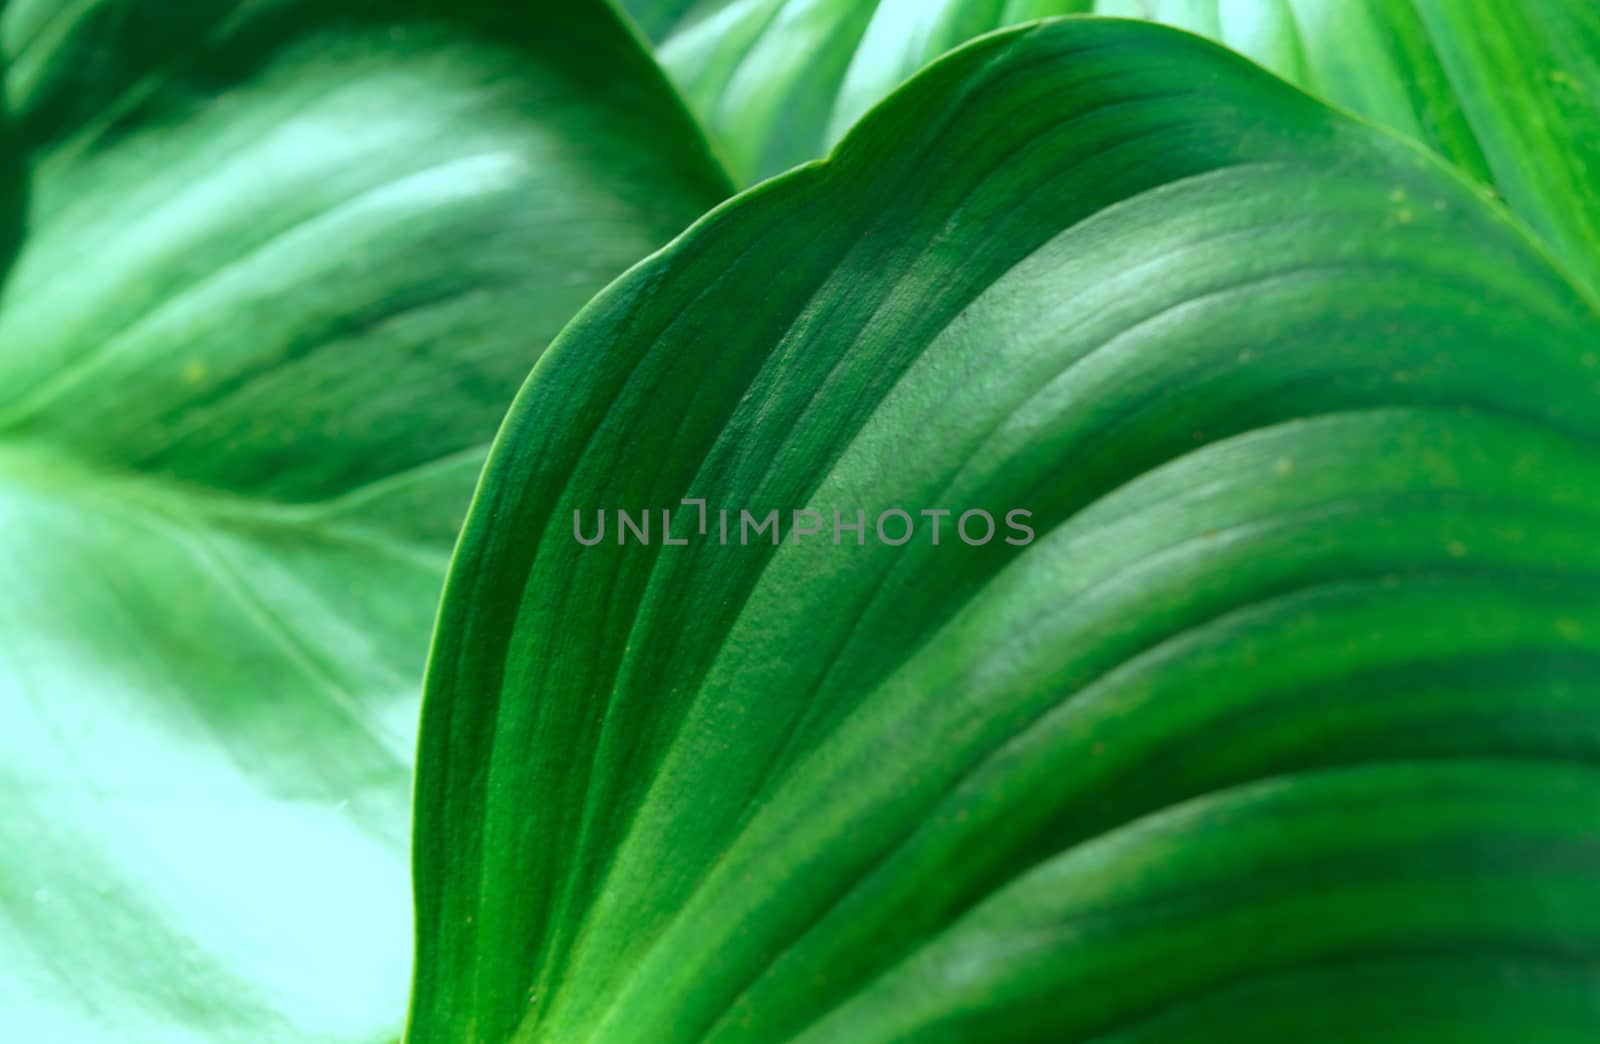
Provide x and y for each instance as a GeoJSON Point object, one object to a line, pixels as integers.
{"type": "Point", "coordinates": [1285, 720]}
{"type": "Point", "coordinates": [1507, 91]}
{"type": "Point", "coordinates": [287, 264]}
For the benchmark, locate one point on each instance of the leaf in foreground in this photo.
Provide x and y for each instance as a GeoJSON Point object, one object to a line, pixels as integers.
{"type": "Point", "coordinates": [287, 265]}
{"type": "Point", "coordinates": [1283, 728]}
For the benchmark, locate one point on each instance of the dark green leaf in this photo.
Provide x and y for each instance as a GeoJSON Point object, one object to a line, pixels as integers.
{"type": "Point", "coordinates": [1290, 701]}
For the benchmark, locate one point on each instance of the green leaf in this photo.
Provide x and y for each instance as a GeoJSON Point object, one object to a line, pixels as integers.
{"type": "Point", "coordinates": [287, 265]}
{"type": "Point", "coordinates": [779, 82]}
{"type": "Point", "coordinates": [1508, 92]}
{"type": "Point", "coordinates": [1284, 719]}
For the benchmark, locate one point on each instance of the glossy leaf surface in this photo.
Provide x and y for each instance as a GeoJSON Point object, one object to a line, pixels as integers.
{"type": "Point", "coordinates": [1509, 92]}
{"type": "Point", "coordinates": [287, 264]}
{"type": "Point", "coordinates": [1285, 722]}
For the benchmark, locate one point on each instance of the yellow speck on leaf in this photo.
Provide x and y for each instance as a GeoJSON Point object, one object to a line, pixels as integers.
{"type": "Point", "coordinates": [1284, 466]}
{"type": "Point", "coordinates": [194, 371]}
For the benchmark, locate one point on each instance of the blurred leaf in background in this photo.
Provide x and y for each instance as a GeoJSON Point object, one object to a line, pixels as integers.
{"type": "Point", "coordinates": [1283, 729]}
{"type": "Point", "coordinates": [287, 264]}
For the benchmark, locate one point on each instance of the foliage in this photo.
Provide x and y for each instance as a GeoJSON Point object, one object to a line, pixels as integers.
{"type": "Point", "coordinates": [1279, 726]}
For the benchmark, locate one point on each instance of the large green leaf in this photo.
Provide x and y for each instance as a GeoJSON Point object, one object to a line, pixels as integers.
{"type": "Point", "coordinates": [1283, 728]}
{"type": "Point", "coordinates": [288, 263]}
{"type": "Point", "coordinates": [779, 81]}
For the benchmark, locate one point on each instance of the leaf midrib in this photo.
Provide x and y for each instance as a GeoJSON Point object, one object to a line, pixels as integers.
{"type": "Point", "coordinates": [40, 469]}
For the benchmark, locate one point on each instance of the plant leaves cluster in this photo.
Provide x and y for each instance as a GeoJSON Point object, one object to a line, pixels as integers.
{"type": "Point", "coordinates": [1288, 340]}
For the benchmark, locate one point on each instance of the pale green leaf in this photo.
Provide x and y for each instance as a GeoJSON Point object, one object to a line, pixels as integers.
{"type": "Point", "coordinates": [287, 264]}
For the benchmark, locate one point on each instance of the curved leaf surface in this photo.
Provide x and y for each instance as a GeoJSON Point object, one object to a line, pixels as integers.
{"type": "Point", "coordinates": [288, 264]}
{"type": "Point", "coordinates": [780, 81]}
{"type": "Point", "coordinates": [1508, 92]}
{"type": "Point", "coordinates": [1290, 700]}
